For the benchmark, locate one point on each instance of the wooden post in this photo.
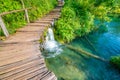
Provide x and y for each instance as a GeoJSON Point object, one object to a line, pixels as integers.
{"type": "Point", "coordinates": [26, 11]}
{"type": "Point", "coordinates": [3, 27]}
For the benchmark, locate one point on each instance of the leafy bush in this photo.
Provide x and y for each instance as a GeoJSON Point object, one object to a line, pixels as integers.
{"type": "Point", "coordinates": [77, 17]}
{"type": "Point", "coordinates": [16, 20]}
{"type": "Point", "coordinates": [66, 26]}
{"type": "Point", "coordinates": [74, 22]}
{"type": "Point", "coordinates": [115, 61]}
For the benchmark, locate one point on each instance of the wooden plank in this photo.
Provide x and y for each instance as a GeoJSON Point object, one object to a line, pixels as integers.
{"type": "Point", "coordinates": [33, 74]}
{"type": "Point", "coordinates": [9, 68]}
{"type": "Point", "coordinates": [25, 72]}
{"type": "Point", "coordinates": [17, 69]}
{"type": "Point", "coordinates": [44, 75]}
{"type": "Point", "coordinates": [25, 37]}
{"type": "Point", "coordinates": [17, 53]}
{"type": "Point", "coordinates": [3, 27]}
{"type": "Point", "coordinates": [38, 77]}
{"type": "Point", "coordinates": [49, 77]}
{"type": "Point", "coordinates": [44, 19]}
{"type": "Point", "coordinates": [32, 29]}
{"type": "Point", "coordinates": [39, 24]}
{"type": "Point", "coordinates": [54, 16]}
{"type": "Point", "coordinates": [16, 50]}
{"type": "Point", "coordinates": [48, 22]}
{"type": "Point", "coordinates": [14, 45]}
{"type": "Point", "coordinates": [55, 78]}
{"type": "Point", "coordinates": [17, 58]}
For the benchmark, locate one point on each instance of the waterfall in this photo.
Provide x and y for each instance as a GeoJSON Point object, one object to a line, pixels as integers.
{"type": "Point", "coordinates": [50, 35]}
{"type": "Point", "coordinates": [51, 47]}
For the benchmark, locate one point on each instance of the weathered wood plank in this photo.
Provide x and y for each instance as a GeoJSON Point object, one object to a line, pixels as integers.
{"type": "Point", "coordinates": [44, 75]}
{"type": "Point", "coordinates": [16, 50]}
{"type": "Point", "coordinates": [16, 69]}
{"type": "Point", "coordinates": [25, 72]}
{"type": "Point", "coordinates": [37, 77]}
{"type": "Point", "coordinates": [16, 58]}
{"type": "Point", "coordinates": [50, 76]}
{"type": "Point", "coordinates": [8, 66]}
{"type": "Point", "coordinates": [18, 65]}
{"type": "Point", "coordinates": [35, 73]}
{"type": "Point", "coordinates": [37, 24]}
{"type": "Point", "coordinates": [44, 22]}
{"type": "Point", "coordinates": [46, 19]}
{"type": "Point", "coordinates": [29, 37]}
{"type": "Point", "coordinates": [32, 29]}
{"type": "Point", "coordinates": [40, 76]}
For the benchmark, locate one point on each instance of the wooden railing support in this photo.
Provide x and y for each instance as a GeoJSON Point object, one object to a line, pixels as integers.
{"type": "Point", "coordinates": [3, 27]}
{"type": "Point", "coordinates": [26, 11]}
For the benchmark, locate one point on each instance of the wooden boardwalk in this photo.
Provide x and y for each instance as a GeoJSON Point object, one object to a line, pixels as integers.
{"type": "Point", "coordinates": [20, 57]}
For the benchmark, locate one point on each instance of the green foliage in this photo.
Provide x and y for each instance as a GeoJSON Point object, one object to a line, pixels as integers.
{"type": "Point", "coordinates": [16, 20]}
{"type": "Point", "coordinates": [77, 18]}
{"type": "Point", "coordinates": [66, 26]}
{"type": "Point", "coordinates": [9, 5]}
{"type": "Point", "coordinates": [115, 61]}
{"type": "Point", "coordinates": [116, 7]}
{"type": "Point", "coordinates": [40, 7]}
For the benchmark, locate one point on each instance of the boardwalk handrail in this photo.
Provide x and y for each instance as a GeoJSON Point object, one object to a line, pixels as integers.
{"type": "Point", "coordinates": [2, 24]}
{"type": "Point", "coordinates": [14, 11]}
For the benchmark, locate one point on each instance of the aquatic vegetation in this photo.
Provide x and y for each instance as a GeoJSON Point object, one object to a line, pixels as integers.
{"type": "Point", "coordinates": [115, 61]}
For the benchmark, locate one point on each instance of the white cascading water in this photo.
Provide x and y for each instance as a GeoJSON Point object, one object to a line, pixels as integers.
{"type": "Point", "coordinates": [51, 47]}
{"type": "Point", "coordinates": [50, 35]}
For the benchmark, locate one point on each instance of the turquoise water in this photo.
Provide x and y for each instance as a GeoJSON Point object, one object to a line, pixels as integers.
{"type": "Point", "coordinates": [71, 65]}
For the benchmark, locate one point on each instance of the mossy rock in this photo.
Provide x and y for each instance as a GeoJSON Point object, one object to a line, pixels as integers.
{"type": "Point", "coordinates": [115, 61]}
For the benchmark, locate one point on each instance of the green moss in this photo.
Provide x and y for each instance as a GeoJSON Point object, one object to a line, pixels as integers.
{"type": "Point", "coordinates": [115, 61]}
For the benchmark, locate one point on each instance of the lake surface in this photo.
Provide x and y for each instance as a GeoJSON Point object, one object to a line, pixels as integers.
{"type": "Point", "coordinates": [71, 65]}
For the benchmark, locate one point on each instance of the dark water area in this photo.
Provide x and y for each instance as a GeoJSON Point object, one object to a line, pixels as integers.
{"type": "Point", "coordinates": [71, 65]}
